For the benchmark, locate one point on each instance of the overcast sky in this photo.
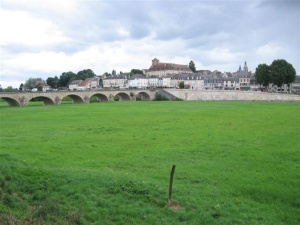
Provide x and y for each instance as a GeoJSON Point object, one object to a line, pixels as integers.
{"type": "Point", "coordinates": [42, 39]}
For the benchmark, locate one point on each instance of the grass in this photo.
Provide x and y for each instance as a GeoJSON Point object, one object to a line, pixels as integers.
{"type": "Point", "coordinates": [109, 163]}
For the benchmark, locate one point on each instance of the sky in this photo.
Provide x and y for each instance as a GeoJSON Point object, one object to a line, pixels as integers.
{"type": "Point", "coordinates": [41, 39]}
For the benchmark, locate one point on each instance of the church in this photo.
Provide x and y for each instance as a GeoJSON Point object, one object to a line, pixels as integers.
{"type": "Point", "coordinates": [161, 69]}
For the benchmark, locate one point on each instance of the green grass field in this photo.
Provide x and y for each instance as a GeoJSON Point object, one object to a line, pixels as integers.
{"type": "Point", "coordinates": [110, 163]}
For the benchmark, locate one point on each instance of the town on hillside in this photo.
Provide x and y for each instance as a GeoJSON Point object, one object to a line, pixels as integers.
{"type": "Point", "coordinates": [177, 76]}
{"type": "Point", "coordinates": [171, 75]}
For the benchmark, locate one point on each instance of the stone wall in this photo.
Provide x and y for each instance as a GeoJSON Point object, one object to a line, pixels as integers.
{"type": "Point", "coordinates": [195, 95]}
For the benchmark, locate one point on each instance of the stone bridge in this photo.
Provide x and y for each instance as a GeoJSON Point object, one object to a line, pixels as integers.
{"type": "Point", "coordinates": [55, 97]}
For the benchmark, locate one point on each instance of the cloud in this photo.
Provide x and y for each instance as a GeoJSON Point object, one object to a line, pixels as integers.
{"type": "Point", "coordinates": [49, 38]}
{"type": "Point", "coordinates": [24, 29]}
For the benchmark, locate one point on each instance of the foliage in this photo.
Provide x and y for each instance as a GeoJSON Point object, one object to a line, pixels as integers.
{"type": "Point", "coordinates": [53, 82]}
{"type": "Point", "coordinates": [136, 71]}
{"type": "Point", "coordinates": [113, 166]}
{"type": "Point", "coordinates": [159, 97]}
{"type": "Point", "coordinates": [32, 83]}
{"type": "Point", "coordinates": [263, 74]}
{"type": "Point", "coordinates": [278, 73]}
{"type": "Point", "coordinates": [192, 66]}
{"type": "Point", "coordinates": [133, 72]}
{"type": "Point", "coordinates": [65, 78]}
{"type": "Point", "coordinates": [116, 98]}
{"type": "Point", "coordinates": [181, 85]}
{"type": "Point", "coordinates": [114, 72]}
{"type": "Point", "coordinates": [8, 89]}
{"type": "Point", "coordinates": [83, 74]}
{"type": "Point", "coordinates": [282, 72]}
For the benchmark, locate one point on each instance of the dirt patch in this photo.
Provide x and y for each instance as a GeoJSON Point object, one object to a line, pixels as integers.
{"type": "Point", "coordinates": [174, 206]}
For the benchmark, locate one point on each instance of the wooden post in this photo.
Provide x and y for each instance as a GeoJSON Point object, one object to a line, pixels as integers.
{"type": "Point", "coordinates": [171, 184]}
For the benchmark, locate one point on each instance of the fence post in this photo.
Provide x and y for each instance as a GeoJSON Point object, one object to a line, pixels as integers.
{"type": "Point", "coordinates": [171, 184]}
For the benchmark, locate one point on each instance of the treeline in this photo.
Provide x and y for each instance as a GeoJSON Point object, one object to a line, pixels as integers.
{"type": "Point", "coordinates": [278, 73]}
{"type": "Point", "coordinates": [55, 82]}
{"type": "Point", "coordinates": [67, 77]}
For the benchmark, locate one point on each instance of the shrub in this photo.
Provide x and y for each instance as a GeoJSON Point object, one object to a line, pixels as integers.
{"type": "Point", "coordinates": [159, 97]}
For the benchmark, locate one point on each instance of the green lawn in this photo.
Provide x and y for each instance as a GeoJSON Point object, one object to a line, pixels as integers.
{"type": "Point", "coordinates": [109, 163]}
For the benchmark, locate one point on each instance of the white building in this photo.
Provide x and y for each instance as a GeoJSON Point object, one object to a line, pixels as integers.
{"type": "Point", "coordinates": [74, 84]}
{"type": "Point", "coordinates": [138, 81]}
{"type": "Point", "coordinates": [191, 81]}
{"type": "Point", "coordinates": [231, 83]}
{"type": "Point", "coordinates": [115, 81]}
{"type": "Point", "coordinates": [153, 81]}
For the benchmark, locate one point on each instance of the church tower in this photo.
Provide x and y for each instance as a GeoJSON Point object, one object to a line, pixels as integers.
{"type": "Point", "coordinates": [155, 61]}
{"type": "Point", "coordinates": [245, 67]}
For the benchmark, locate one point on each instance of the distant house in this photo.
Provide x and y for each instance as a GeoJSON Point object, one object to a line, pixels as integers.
{"type": "Point", "coordinates": [115, 81]}
{"type": "Point", "coordinates": [43, 86]}
{"type": "Point", "coordinates": [292, 88]}
{"type": "Point", "coordinates": [254, 86]}
{"type": "Point", "coordinates": [295, 86]}
{"type": "Point", "coordinates": [213, 83]}
{"type": "Point", "coordinates": [153, 81]}
{"type": "Point", "coordinates": [138, 81]}
{"type": "Point", "coordinates": [231, 83]}
{"type": "Point", "coordinates": [166, 81]}
{"type": "Point", "coordinates": [161, 69]}
{"type": "Point", "coordinates": [74, 84]}
{"type": "Point", "coordinates": [191, 81]}
{"type": "Point", "coordinates": [84, 85]}
{"type": "Point", "coordinates": [94, 82]}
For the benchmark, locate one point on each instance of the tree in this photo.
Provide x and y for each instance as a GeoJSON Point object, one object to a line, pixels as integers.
{"type": "Point", "coordinates": [136, 71]}
{"type": "Point", "coordinates": [282, 72]}
{"type": "Point", "coordinates": [263, 74]}
{"type": "Point", "coordinates": [65, 78]}
{"type": "Point", "coordinates": [53, 82]}
{"type": "Point", "coordinates": [9, 89]}
{"type": "Point", "coordinates": [192, 66]}
{"type": "Point", "coordinates": [32, 83]}
{"type": "Point", "coordinates": [83, 74]}
{"type": "Point", "coordinates": [114, 73]}
{"type": "Point", "coordinates": [181, 85]}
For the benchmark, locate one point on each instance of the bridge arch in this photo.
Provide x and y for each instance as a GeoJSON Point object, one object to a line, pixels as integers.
{"type": "Point", "coordinates": [143, 96]}
{"type": "Point", "coordinates": [123, 96]}
{"type": "Point", "coordinates": [11, 101]}
{"type": "Point", "coordinates": [46, 100]}
{"type": "Point", "coordinates": [75, 98]}
{"type": "Point", "coordinates": [100, 97]}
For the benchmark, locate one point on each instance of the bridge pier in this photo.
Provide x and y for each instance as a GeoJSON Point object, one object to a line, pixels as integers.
{"type": "Point", "coordinates": [111, 98]}
{"type": "Point", "coordinates": [23, 101]}
{"type": "Point", "coordinates": [86, 99]}
{"type": "Point", "coordinates": [57, 101]}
